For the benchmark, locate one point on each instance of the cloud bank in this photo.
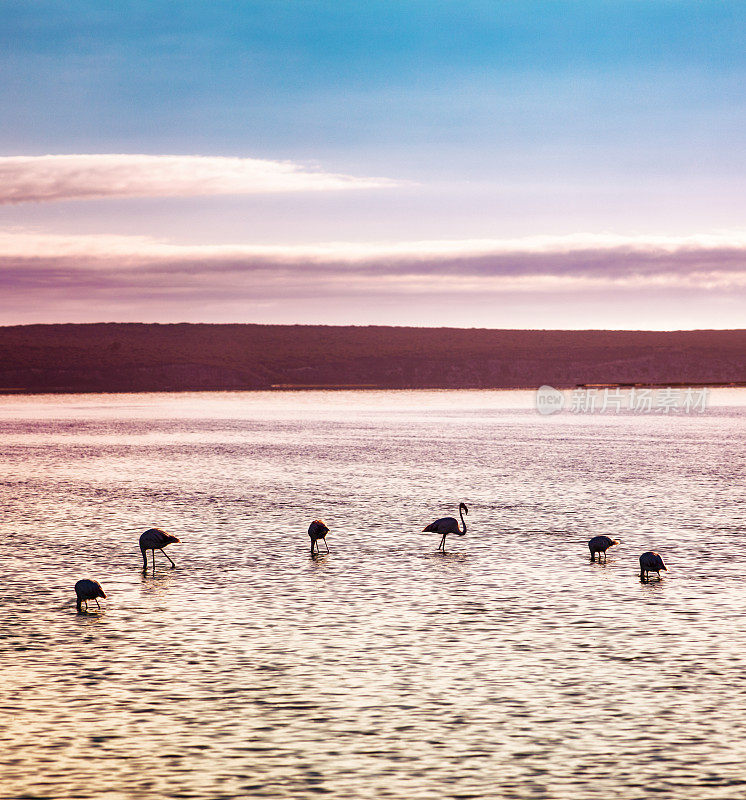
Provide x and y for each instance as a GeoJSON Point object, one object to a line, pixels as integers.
{"type": "Point", "coordinates": [34, 179]}
{"type": "Point", "coordinates": [436, 283]}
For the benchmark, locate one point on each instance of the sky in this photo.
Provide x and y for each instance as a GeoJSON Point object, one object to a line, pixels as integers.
{"type": "Point", "coordinates": [481, 163]}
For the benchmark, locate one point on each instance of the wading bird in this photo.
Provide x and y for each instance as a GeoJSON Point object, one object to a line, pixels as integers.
{"type": "Point", "coordinates": [600, 544]}
{"type": "Point", "coordinates": [155, 539]}
{"type": "Point", "coordinates": [86, 590]}
{"type": "Point", "coordinates": [651, 562]}
{"type": "Point", "coordinates": [448, 525]}
{"type": "Point", "coordinates": [317, 530]}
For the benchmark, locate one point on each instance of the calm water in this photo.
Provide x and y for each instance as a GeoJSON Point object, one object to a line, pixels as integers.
{"type": "Point", "coordinates": [509, 667]}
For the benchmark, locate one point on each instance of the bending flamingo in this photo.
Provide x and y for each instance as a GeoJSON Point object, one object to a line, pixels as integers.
{"type": "Point", "coordinates": [651, 562]}
{"type": "Point", "coordinates": [317, 530]}
{"type": "Point", "coordinates": [600, 544]}
{"type": "Point", "coordinates": [86, 590]}
{"type": "Point", "coordinates": [155, 539]}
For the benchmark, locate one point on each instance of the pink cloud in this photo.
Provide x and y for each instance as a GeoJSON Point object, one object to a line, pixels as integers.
{"type": "Point", "coordinates": [121, 277]}
{"type": "Point", "coordinates": [27, 179]}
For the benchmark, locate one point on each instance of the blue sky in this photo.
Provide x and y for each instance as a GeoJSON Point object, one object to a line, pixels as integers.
{"type": "Point", "coordinates": [490, 120]}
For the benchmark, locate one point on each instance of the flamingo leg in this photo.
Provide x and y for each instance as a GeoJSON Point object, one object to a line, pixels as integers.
{"type": "Point", "coordinates": [442, 545]}
{"type": "Point", "coordinates": [167, 556]}
{"type": "Point", "coordinates": [97, 605]}
{"type": "Point", "coordinates": [326, 545]}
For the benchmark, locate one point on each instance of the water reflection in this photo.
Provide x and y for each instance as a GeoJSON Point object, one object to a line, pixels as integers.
{"type": "Point", "coordinates": [446, 556]}
{"type": "Point", "coordinates": [91, 616]}
{"type": "Point", "coordinates": [155, 585]}
{"type": "Point", "coordinates": [504, 667]}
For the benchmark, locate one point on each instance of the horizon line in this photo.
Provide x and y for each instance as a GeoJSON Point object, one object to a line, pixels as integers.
{"type": "Point", "coordinates": [396, 327]}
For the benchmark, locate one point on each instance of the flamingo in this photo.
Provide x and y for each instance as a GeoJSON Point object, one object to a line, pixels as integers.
{"type": "Point", "coordinates": [447, 525]}
{"type": "Point", "coordinates": [600, 544]}
{"type": "Point", "coordinates": [651, 562]}
{"type": "Point", "coordinates": [317, 530]}
{"type": "Point", "coordinates": [86, 590]}
{"type": "Point", "coordinates": [155, 539]}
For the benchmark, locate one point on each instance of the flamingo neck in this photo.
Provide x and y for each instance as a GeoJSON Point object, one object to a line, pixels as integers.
{"type": "Point", "coordinates": [463, 521]}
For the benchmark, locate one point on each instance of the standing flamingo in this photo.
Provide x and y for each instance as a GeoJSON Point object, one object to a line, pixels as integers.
{"type": "Point", "coordinates": [600, 544]}
{"type": "Point", "coordinates": [317, 530]}
{"type": "Point", "coordinates": [155, 539]}
{"type": "Point", "coordinates": [447, 525]}
{"type": "Point", "coordinates": [651, 562]}
{"type": "Point", "coordinates": [86, 590]}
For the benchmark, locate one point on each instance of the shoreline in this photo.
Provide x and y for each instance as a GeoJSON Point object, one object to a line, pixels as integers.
{"type": "Point", "coordinates": [20, 392]}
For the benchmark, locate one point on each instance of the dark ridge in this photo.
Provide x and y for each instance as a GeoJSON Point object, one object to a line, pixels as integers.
{"type": "Point", "coordinates": [136, 357]}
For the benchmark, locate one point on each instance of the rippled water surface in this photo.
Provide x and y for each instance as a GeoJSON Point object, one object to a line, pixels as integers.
{"type": "Point", "coordinates": [510, 666]}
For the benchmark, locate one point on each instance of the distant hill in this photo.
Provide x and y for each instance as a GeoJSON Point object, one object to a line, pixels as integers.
{"type": "Point", "coordinates": [114, 357]}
